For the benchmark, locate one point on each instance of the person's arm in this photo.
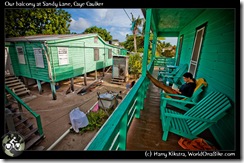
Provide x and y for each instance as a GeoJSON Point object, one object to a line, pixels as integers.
{"type": "Point", "coordinates": [178, 91]}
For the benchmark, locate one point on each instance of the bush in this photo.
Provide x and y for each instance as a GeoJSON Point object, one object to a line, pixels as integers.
{"type": "Point", "coordinates": [135, 64]}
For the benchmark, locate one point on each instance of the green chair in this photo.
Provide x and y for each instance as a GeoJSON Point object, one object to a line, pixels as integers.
{"type": "Point", "coordinates": [175, 76]}
{"type": "Point", "coordinates": [203, 115]}
{"type": "Point", "coordinates": [200, 85]}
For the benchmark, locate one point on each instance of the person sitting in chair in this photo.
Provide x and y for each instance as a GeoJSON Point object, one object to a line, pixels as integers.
{"type": "Point", "coordinates": [186, 89]}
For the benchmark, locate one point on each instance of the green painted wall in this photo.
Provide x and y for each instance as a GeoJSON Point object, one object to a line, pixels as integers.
{"type": "Point", "coordinates": [216, 63]}
{"type": "Point", "coordinates": [76, 50]}
{"type": "Point", "coordinates": [28, 69]}
{"type": "Point", "coordinates": [36, 72]}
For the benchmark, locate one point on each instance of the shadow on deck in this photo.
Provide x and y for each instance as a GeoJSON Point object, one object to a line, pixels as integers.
{"type": "Point", "coordinates": [146, 132]}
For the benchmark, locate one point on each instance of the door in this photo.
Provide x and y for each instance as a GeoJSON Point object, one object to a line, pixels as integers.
{"type": "Point", "coordinates": [8, 63]}
{"type": "Point", "coordinates": [196, 50]}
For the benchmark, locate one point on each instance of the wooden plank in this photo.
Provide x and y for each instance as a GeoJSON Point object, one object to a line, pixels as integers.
{"type": "Point", "coordinates": [24, 92]}
{"type": "Point", "coordinates": [31, 142]}
{"type": "Point", "coordinates": [12, 81]}
{"type": "Point", "coordinates": [18, 86]}
{"type": "Point", "coordinates": [30, 133]}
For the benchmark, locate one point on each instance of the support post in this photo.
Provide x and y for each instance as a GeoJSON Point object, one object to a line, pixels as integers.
{"type": "Point", "coordinates": [154, 45]}
{"type": "Point", "coordinates": [85, 79]}
{"type": "Point", "coordinates": [146, 41]}
{"type": "Point", "coordinates": [72, 84]}
{"type": "Point", "coordinates": [39, 86]}
{"type": "Point", "coordinates": [25, 82]}
{"type": "Point", "coordinates": [53, 89]}
{"type": "Point", "coordinates": [96, 74]}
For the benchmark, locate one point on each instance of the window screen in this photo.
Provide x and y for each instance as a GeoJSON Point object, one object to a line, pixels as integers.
{"type": "Point", "coordinates": [20, 52]}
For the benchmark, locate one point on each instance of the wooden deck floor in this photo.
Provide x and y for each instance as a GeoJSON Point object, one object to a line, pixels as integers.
{"type": "Point", "coordinates": [146, 132]}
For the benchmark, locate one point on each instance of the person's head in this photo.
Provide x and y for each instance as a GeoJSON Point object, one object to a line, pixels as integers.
{"type": "Point", "coordinates": [187, 77]}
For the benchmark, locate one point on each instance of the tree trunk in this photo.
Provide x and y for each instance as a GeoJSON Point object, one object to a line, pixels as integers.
{"type": "Point", "coordinates": [135, 47]}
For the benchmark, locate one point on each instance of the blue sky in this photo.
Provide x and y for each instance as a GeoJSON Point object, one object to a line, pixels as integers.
{"type": "Point", "coordinates": [115, 21]}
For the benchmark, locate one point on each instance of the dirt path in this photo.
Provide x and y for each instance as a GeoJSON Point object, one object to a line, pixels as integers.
{"type": "Point", "coordinates": [55, 113]}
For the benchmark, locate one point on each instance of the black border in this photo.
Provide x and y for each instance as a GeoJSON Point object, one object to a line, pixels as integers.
{"type": "Point", "coordinates": [138, 155]}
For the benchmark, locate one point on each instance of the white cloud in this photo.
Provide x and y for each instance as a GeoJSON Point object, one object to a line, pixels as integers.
{"type": "Point", "coordinates": [119, 33]}
{"type": "Point", "coordinates": [100, 13]}
{"type": "Point", "coordinates": [79, 25]}
{"type": "Point", "coordinates": [115, 17]}
{"type": "Point", "coordinates": [115, 21]}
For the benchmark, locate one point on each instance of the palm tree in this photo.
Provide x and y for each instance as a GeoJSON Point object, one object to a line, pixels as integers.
{"type": "Point", "coordinates": [135, 28]}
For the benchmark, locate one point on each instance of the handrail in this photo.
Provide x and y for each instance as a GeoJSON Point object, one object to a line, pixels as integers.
{"type": "Point", "coordinates": [112, 135]}
{"type": "Point", "coordinates": [37, 116]}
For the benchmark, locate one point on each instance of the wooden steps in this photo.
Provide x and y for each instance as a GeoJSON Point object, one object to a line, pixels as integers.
{"type": "Point", "coordinates": [15, 84]}
{"type": "Point", "coordinates": [17, 122]}
{"type": "Point", "coordinates": [117, 81]}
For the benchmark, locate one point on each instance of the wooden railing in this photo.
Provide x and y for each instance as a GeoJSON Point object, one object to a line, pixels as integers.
{"type": "Point", "coordinates": [21, 103]}
{"type": "Point", "coordinates": [113, 134]}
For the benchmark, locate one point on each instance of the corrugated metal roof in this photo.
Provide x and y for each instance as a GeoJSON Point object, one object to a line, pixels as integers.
{"type": "Point", "coordinates": [46, 37]}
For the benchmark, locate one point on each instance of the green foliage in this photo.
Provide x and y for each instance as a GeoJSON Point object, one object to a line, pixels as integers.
{"type": "Point", "coordinates": [170, 52]}
{"type": "Point", "coordinates": [96, 120]}
{"type": "Point", "coordinates": [135, 64]}
{"type": "Point", "coordinates": [103, 33]}
{"type": "Point", "coordinates": [26, 22]}
{"type": "Point", "coordinates": [129, 43]}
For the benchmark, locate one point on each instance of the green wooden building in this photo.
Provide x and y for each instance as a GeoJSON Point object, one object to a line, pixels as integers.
{"type": "Point", "coordinates": [53, 58]}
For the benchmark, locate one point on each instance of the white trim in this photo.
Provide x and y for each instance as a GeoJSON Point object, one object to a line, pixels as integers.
{"type": "Point", "coordinates": [195, 62]}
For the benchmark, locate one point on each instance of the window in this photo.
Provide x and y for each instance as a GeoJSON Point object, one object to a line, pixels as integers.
{"type": "Point", "coordinates": [109, 53]}
{"type": "Point", "coordinates": [196, 49]}
{"type": "Point", "coordinates": [63, 58]}
{"type": "Point", "coordinates": [21, 56]}
{"type": "Point", "coordinates": [38, 57]}
{"type": "Point", "coordinates": [95, 39]}
{"type": "Point", "coordinates": [96, 54]}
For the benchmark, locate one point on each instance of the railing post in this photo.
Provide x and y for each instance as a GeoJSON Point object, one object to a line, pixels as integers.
{"type": "Point", "coordinates": [39, 124]}
{"type": "Point", "coordinates": [123, 132]}
{"type": "Point", "coordinates": [138, 107]}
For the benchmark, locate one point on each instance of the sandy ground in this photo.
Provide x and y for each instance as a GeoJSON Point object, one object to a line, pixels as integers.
{"type": "Point", "coordinates": [55, 113]}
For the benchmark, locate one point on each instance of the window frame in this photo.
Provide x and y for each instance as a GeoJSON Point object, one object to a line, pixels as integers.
{"type": "Point", "coordinates": [196, 52]}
